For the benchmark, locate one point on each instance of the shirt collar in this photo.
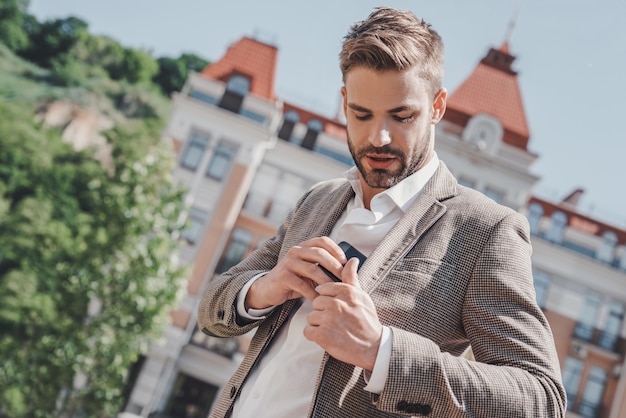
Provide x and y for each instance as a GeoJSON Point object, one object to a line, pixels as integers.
{"type": "Point", "coordinates": [403, 194]}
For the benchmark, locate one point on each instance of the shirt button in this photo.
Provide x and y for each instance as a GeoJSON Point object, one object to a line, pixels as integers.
{"type": "Point", "coordinates": [289, 346]}
{"type": "Point", "coordinates": [256, 395]}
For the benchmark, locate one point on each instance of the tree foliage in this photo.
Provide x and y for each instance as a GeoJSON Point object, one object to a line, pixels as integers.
{"type": "Point", "coordinates": [53, 39]}
{"type": "Point", "coordinates": [74, 55]}
{"type": "Point", "coordinates": [86, 272]}
{"type": "Point", "coordinates": [173, 72]}
{"type": "Point", "coordinates": [12, 20]}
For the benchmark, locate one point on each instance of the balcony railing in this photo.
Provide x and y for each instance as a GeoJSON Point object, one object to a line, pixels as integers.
{"type": "Point", "coordinates": [606, 340]}
{"type": "Point", "coordinates": [616, 263]}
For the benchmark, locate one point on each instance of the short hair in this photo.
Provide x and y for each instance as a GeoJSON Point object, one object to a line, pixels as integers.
{"type": "Point", "coordinates": [391, 39]}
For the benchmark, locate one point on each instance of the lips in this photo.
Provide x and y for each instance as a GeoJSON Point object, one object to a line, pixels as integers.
{"type": "Point", "coordinates": [380, 162]}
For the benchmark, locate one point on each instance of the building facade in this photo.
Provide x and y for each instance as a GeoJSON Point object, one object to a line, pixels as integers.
{"type": "Point", "coordinates": [245, 157]}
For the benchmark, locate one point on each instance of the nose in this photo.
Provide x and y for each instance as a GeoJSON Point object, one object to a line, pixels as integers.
{"type": "Point", "coordinates": [380, 137]}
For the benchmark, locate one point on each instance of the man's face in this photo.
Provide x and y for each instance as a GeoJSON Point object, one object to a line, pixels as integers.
{"type": "Point", "coordinates": [390, 122]}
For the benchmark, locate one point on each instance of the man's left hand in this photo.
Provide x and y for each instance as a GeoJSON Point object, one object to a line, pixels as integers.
{"type": "Point", "coordinates": [344, 320]}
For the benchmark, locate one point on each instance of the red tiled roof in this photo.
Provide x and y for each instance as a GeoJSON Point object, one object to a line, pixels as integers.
{"type": "Point", "coordinates": [492, 88]}
{"type": "Point", "coordinates": [250, 58]}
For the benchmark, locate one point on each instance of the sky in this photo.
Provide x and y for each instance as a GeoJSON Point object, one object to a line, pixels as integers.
{"type": "Point", "coordinates": [571, 61]}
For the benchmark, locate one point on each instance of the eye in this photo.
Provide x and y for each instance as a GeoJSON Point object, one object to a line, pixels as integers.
{"type": "Point", "coordinates": [404, 119]}
{"type": "Point", "coordinates": [363, 117]}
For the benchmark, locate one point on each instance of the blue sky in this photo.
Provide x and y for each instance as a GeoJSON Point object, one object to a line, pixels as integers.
{"type": "Point", "coordinates": [571, 59]}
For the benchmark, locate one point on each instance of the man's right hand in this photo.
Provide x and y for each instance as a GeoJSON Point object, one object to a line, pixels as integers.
{"type": "Point", "coordinates": [297, 274]}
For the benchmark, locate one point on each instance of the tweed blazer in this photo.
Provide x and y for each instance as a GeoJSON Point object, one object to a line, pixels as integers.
{"type": "Point", "coordinates": [454, 271]}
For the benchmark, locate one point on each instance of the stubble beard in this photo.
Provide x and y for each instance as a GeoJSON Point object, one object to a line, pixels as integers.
{"type": "Point", "coordinates": [383, 178]}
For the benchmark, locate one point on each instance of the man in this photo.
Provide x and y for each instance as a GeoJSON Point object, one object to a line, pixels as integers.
{"type": "Point", "coordinates": [446, 268]}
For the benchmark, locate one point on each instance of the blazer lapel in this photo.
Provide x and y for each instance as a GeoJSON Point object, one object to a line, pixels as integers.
{"type": "Point", "coordinates": [426, 210]}
{"type": "Point", "coordinates": [336, 203]}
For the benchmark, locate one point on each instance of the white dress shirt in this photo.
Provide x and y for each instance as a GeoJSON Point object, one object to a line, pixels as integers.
{"type": "Point", "coordinates": [281, 385]}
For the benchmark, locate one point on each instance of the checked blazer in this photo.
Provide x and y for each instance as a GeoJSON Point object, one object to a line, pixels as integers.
{"type": "Point", "coordinates": [454, 271]}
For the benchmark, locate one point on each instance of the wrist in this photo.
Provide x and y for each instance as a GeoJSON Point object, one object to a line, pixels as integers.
{"type": "Point", "coordinates": [253, 298]}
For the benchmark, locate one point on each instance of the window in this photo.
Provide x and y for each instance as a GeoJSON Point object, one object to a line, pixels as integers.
{"type": "Point", "coordinates": [195, 222]}
{"type": "Point", "coordinates": [542, 284]}
{"type": "Point", "coordinates": [592, 396]}
{"type": "Point", "coordinates": [203, 97]}
{"type": "Point", "coordinates": [190, 398]}
{"type": "Point", "coordinates": [613, 326]}
{"type": "Point", "coordinates": [220, 162]}
{"type": "Point", "coordinates": [314, 127]}
{"type": "Point", "coordinates": [572, 371]}
{"type": "Point", "coordinates": [587, 317]}
{"type": "Point", "coordinates": [535, 213]}
{"type": "Point", "coordinates": [238, 84]}
{"type": "Point", "coordinates": [289, 190]}
{"type": "Point", "coordinates": [622, 259]}
{"type": "Point", "coordinates": [606, 250]}
{"type": "Point", "coordinates": [557, 227]}
{"type": "Point", "coordinates": [289, 122]}
{"type": "Point", "coordinates": [194, 151]}
{"type": "Point", "coordinates": [260, 193]}
{"type": "Point", "coordinates": [236, 89]}
{"type": "Point", "coordinates": [239, 243]}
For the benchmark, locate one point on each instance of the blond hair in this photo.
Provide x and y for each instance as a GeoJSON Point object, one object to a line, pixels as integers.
{"type": "Point", "coordinates": [391, 39]}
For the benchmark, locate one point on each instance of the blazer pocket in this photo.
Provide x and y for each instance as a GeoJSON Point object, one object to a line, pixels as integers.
{"type": "Point", "coordinates": [416, 289]}
{"type": "Point", "coordinates": [420, 265]}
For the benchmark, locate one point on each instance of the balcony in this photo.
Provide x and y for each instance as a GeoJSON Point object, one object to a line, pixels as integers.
{"type": "Point", "coordinates": [586, 409]}
{"type": "Point", "coordinates": [610, 342]}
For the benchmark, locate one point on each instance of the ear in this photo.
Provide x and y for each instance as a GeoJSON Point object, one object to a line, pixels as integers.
{"type": "Point", "coordinates": [344, 95]}
{"type": "Point", "coordinates": [439, 105]}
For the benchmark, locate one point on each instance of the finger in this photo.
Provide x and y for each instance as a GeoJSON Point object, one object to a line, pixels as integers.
{"type": "Point", "coordinates": [309, 262]}
{"type": "Point", "coordinates": [349, 273]}
{"type": "Point", "coordinates": [329, 245]}
{"type": "Point", "coordinates": [304, 287]}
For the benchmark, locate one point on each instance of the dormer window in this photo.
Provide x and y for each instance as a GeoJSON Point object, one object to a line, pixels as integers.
{"type": "Point", "coordinates": [289, 122]}
{"type": "Point", "coordinates": [314, 127]}
{"type": "Point", "coordinates": [606, 250]}
{"type": "Point", "coordinates": [557, 227]}
{"type": "Point", "coordinates": [237, 88]}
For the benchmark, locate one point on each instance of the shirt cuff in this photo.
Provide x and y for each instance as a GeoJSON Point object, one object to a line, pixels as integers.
{"type": "Point", "coordinates": [253, 314]}
{"type": "Point", "coordinates": [378, 377]}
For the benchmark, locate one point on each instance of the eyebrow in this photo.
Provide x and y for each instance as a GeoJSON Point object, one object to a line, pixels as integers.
{"type": "Point", "coordinates": [362, 109]}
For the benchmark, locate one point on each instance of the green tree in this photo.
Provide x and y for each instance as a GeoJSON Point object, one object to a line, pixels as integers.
{"type": "Point", "coordinates": [136, 66]}
{"type": "Point", "coordinates": [193, 62]}
{"type": "Point", "coordinates": [12, 20]}
{"type": "Point", "coordinates": [98, 51]}
{"type": "Point", "coordinates": [52, 39]}
{"type": "Point", "coordinates": [171, 75]}
{"type": "Point", "coordinates": [86, 269]}
{"type": "Point", "coordinates": [173, 72]}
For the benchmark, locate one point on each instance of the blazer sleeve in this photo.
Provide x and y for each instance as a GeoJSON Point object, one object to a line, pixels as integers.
{"type": "Point", "coordinates": [516, 369]}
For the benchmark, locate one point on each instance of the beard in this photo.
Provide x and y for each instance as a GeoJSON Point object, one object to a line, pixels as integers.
{"type": "Point", "coordinates": [383, 178]}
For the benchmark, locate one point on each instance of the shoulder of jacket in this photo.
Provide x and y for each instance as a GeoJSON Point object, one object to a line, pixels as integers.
{"type": "Point", "coordinates": [328, 186]}
{"type": "Point", "coordinates": [476, 203]}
